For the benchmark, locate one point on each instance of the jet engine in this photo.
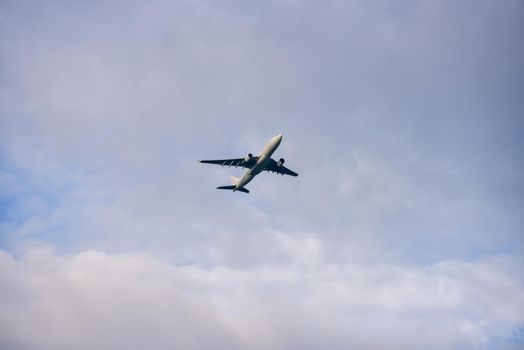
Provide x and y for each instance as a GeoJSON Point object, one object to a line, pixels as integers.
{"type": "Point", "coordinates": [280, 162]}
{"type": "Point", "coordinates": [249, 157]}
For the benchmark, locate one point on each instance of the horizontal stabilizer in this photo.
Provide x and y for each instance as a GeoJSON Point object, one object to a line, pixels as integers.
{"type": "Point", "coordinates": [241, 189]}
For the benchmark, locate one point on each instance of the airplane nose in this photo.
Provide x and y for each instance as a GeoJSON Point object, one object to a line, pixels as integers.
{"type": "Point", "coordinates": [279, 136]}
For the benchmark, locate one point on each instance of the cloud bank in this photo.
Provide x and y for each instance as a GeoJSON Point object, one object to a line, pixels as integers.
{"type": "Point", "coordinates": [95, 300]}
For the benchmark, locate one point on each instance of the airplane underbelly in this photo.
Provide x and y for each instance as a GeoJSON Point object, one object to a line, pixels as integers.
{"type": "Point", "coordinates": [245, 179]}
{"type": "Point", "coordinates": [251, 173]}
{"type": "Point", "coordinates": [259, 167]}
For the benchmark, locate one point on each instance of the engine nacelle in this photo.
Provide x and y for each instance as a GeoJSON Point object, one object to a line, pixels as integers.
{"type": "Point", "coordinates": [249, 157]}
{"type": "Point", "coordinates": [281, 162]}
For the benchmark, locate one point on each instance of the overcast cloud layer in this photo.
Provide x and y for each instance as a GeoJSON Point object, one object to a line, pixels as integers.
{"type": "Point", "coordinates": [403, 230]}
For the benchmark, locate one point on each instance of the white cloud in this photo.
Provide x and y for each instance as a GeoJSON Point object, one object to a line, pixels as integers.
{"type": "Point", "coordinates": [96, 300]}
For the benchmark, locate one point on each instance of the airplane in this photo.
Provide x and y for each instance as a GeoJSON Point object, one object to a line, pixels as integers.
{"type": "Point", "coordinates": [255, 165]}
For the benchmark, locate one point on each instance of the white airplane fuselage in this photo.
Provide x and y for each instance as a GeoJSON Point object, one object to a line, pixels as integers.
{"type": "Point", "coordinates": [263, 158]}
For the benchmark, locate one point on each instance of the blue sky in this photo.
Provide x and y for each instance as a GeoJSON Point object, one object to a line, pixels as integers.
{"type": "Point", "coordinates": [404, 228]}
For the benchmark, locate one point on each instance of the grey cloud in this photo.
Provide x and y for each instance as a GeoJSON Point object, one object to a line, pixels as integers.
{"type": "Point", "coordinates": [392, 124]}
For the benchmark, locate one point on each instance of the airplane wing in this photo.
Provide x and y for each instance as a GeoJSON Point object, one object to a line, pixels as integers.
{"type": "Point", "coordinates": [273, 166]}
{"type": "Point", "coordinates": [242, 162]}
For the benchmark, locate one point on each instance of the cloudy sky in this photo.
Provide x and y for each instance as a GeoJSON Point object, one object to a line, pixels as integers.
{"type": "Point", "coordinates": [404, 229]}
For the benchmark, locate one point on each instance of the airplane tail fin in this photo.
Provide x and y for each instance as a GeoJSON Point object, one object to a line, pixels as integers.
{"type": "Point", "coordinates": [234, 180]}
